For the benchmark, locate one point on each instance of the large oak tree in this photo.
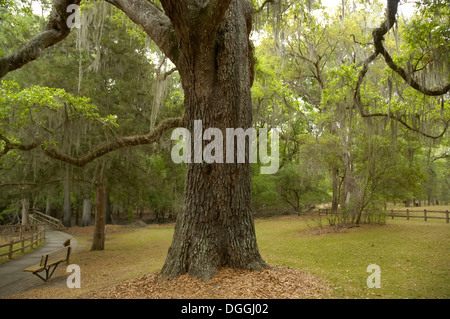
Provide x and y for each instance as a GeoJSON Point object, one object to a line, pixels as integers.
{"type": "Point", "coordinates": [208, 41]}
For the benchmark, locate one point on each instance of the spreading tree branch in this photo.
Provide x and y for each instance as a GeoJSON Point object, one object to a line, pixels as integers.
{"type": "Point", "coordinates": [108, 147]}
{"type": "Point", "coordinates": [154, 22]}
{"type": "Point", "coordinates": [265, 3]}
{"type": "Point", "coordinates": [145, 14]}
{"type": "Point", "coordinates": [56, 31]}
{"type": "Point", "coordinates": [12, 145]}
{"type": "Point", "coordinates": [378, 37]}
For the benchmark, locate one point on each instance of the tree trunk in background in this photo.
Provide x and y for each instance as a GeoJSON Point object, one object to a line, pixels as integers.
{"type": "Point", "coordinates": [48, 207]}
{"type": "Point", "coordinates": [86, 216]}
{"type": "Point", "coordinates": [67, 211]}
{"type": "Point", "coordinates": [336, 191]}
{"type": "Point", "coordinates": [25, 211]}
{"type": "Point", "coordinates": [108, 208]}
{"type": "Point", "coordinates": [215, 226]}
{"type": "Point", "coordinates": [98, 242]}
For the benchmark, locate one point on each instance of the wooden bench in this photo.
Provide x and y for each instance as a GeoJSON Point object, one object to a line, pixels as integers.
{"type": "Point", "coordinates": [49, 262]}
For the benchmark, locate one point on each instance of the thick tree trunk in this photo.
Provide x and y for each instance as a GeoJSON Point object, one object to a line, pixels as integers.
{"type": "Point", "coordinates": [98, 242]}
{"type": "Point", "coordinates": [215, 226]}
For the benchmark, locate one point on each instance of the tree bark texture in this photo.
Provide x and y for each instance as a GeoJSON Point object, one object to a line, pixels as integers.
{"type": "Point", "coordinates": [215, 226]}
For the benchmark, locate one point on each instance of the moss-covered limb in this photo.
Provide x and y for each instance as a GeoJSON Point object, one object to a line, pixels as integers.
{"type": "Point", "coordinates": [56, 31]}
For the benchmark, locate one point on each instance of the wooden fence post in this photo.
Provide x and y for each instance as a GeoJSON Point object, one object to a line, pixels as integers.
{"type": "Point", "coordinates": [392, 213]}
{"type": "Point", "coordinates": [425, 214]}
{"type": "Point", "coordinates": [407, 214]}
{"type": "Point", "coordinates": [11, 243]}
{"type": "Point", "coordinates": [23, 245]}
{"type": "Point", "coordinates": [446, 216]}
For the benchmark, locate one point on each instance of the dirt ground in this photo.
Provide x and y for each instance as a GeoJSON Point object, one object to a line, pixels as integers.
{"type": "Point", "coordinates": [273, 283]}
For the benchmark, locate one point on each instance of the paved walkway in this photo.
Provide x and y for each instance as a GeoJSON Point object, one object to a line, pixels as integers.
{"type": "Point", "coordinates": [14, 280]}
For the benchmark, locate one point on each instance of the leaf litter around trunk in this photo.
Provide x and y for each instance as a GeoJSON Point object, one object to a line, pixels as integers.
{"type": "Point", "coordinates": [272, 283]}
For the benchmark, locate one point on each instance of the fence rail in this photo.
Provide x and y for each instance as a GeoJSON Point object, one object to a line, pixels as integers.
{"type": "Point", "coordinates": [46, 219]}
{"type": "Point", "coordinates": [34, 239]}
{"type": "Point", "coordinates": [423, 214]}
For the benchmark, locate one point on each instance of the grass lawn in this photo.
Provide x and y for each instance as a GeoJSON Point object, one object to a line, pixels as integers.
{"type": "Point", "coordinates": [413, 256]}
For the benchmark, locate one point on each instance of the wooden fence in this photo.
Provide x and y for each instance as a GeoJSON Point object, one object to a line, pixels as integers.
{"type": "Point", "coordinates": [19, 235]}
{"type": "Point", "coordinates": [38, 217]}
{"type": "Point", "coordinates": [425, 214]}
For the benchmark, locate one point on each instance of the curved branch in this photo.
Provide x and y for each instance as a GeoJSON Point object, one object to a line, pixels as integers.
{"type": "Point", "coordinates": [119, 143]}
{"type": "Point", "coordinates": [12, 145]}
{"type": "Point", "coordinates": [358, 102]}
{"type": "Point", "coordinates": [154, 22]}
{"type": "Point", "coordinates": [408, 78]}
{"type": "Point", "coordinates": [261, 8]}
{"type": "Point", "coordinates": [56, 31]}
{"type": "Point", "coordinates": [378, 38]}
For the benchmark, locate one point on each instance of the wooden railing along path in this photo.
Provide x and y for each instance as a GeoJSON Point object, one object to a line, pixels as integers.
{"type": "Point", "coordinates": [18, 236]}
{"type": "Point", "coordinates": [47, 220]}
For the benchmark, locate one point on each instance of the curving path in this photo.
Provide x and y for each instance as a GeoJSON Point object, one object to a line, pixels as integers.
{"type": "Point", "coordinates": [14, 280]}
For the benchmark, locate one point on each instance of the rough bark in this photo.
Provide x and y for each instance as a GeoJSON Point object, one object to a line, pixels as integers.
{"type": "Point", "coordinates": [215, 226]}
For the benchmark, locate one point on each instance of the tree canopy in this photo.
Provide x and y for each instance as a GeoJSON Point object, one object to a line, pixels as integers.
{"type": "Point", "coordinates": [358, 92]}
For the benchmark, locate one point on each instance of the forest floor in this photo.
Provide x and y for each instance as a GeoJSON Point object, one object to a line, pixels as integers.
{"type": "Point", "coordinates": [104, 274]}
{"type": "Point", "coordinates": [413, 256]}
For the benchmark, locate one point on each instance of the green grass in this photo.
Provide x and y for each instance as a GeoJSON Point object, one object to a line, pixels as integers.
{"type": "Point", "coordinates": [413, 256]}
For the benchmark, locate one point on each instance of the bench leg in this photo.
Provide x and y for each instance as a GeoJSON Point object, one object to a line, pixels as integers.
{"type": "Point", "coordinates": [48, 274]}
{"type": "Point", "coordinates": [53, 270]}
{"type": "Point", "coordinates": [37, 274]}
